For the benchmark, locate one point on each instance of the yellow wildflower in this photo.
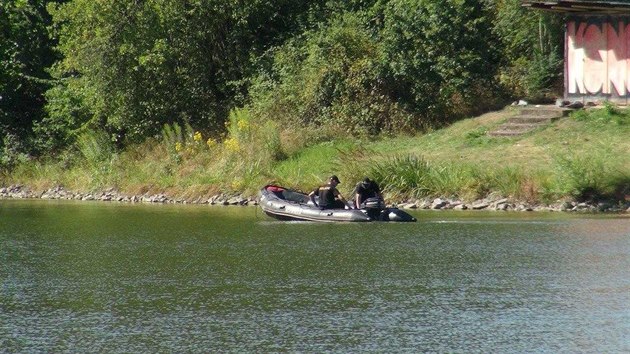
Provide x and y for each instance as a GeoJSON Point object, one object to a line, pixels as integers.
{"type": "Point", "coordinates": [211, 143]}
{"type": "Point", "coordinates": [237, 184]}
{"type": "Point", "coordinates": [178, 146]}
{"type": "Point", "coordinates": [197, 137]}
{"type": "Point", "coordinates": [231, 144]}
{"type": "Point", "coordinates": [242, 124]}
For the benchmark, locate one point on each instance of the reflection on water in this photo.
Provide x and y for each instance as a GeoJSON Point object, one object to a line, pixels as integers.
{"type": "Point", "coordinates": [125, 278]}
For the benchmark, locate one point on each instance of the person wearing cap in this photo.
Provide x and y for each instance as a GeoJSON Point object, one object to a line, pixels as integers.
{"type": "Point", "coordinates": [364, 190]}
{"type": "Point", "coordinates": [329, 196]}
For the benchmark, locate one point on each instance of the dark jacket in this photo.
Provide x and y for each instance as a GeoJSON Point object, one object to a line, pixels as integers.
{"type": "Point", "coordinates": [367, 190]}
{"type": "Point", "coordinates": [327, 194]}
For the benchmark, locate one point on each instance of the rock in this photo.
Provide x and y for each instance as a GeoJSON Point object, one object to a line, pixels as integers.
{"type": "Point", "coordinates": [438, 203]}
{"type": "Point", "coordinates": [460, 207]}
{"type": "Point", "coordinates": [575, 105]}
{"type": "Point", "coordinates": [424, 204]}
{"type": "Point", "coordinates": [235, 200]}
{"type": "Point", "coordinates": [604, 206]}
{"type": "Point", "coordinates": [501, 206]}
{"type": "Point", "coordinates": [479, 205]}
{"type": "Point", "coordinates": [561, 103]}
{"type": "Point", "coordinates": [522, 103]}
{"type": "Point", "coordinates": [501, 201]}
{"type": "Point", "coordinates": [453, 204]}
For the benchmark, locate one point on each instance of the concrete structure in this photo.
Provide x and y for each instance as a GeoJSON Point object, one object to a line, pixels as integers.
{"type": "Point", "coordinates": [597, 48]}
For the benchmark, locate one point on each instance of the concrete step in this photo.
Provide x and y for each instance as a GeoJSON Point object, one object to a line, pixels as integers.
{"type": "Point", "coordinates": [528, 119]}
{"type": "Point", "coordinates": [545, 111]}
{"type": "Point", "coordinates": [520, 126]}
{"type": "Point", "coordinates": [532, 119]}
{"type": "Point", "coordinates": [505, 133]}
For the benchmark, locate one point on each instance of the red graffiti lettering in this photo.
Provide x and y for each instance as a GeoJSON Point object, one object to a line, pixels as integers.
{"type": "Point", "coordinates": [598, 58]}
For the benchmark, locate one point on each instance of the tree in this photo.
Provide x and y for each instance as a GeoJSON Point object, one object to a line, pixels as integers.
{"type": "Point", "coordinates": [328, 76]}
{"type": "Point", "coordinates": [25, 54]}
{"type": "Point", "coordinates": [136, 65]}
{"type": "Point", "coordinates": [532, 44]}
{"type": "Point", "coordinates": [440, 56]}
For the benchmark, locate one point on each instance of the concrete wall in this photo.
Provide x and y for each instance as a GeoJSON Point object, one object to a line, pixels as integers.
{"type": "Point", "coordinates": [597, 58]}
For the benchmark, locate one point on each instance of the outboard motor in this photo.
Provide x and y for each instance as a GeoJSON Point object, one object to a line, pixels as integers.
{"type": "Point", "coordinates": [375, 208]}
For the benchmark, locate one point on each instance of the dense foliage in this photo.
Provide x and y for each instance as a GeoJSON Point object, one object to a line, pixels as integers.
{"type": "Point", "coordinates": [123, 69]}
{"type": "Point", "coordinates": [26, 51]}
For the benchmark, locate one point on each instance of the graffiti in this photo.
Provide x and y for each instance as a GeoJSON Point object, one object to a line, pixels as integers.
{"type": "Point", "coordinates": [597, 57]}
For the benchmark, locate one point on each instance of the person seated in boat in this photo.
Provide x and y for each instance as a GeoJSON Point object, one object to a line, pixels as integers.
{"type": "Point", "coordinates": [329, 196]}
{"type": "Point", "coordinates": [364, 190]}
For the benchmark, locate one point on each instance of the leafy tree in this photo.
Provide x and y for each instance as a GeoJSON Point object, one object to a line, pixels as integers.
{"type": "Point", "coordinates": [384, 66]}
{"type": "Point", "coordinates": [326, 77]}
{"type": "Point", "coordinates": [531, 44]}
{"type": "Point", "coordinates": [25, 54]}
{"type": "Point", "coordinates": [133, 66]}
{"type": "Point", "coordinates": [440, 56]}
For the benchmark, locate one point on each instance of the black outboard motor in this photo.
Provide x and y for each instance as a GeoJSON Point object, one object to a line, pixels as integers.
{"type": "Point", "coordinates": [375, 208]}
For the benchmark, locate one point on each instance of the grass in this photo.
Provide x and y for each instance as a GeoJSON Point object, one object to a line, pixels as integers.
{"type": "Point", "coordinates": [584, 156]}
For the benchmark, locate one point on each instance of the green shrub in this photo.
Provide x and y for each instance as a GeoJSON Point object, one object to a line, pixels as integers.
{"type": "Point", "coordinates": [590, 176]}
{"type": "Point", "coordinates": [95, 146]}
{"type": "Point", "coordinates": [610, 113]}
{"type": "Point", "coordinates": [329, 80]}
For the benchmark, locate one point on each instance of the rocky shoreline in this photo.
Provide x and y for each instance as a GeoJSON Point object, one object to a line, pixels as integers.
{"type": "Point", "coordinates": [112, 195]}
{"type": "Point", "coordinates": [506, 204]}
{"type": "Point", "coordinates": [494, 203]}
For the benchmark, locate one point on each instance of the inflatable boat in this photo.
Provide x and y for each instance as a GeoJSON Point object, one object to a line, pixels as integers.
{"type": "Point", "coordinates": [287, 204]}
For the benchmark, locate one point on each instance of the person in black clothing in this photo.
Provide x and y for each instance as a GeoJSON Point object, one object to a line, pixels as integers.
{"type": "Point", "coordinates": [329, 196]}
{"type": "Point", "coordinates": [364, 190]}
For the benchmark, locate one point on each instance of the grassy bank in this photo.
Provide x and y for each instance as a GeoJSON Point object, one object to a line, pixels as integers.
{"type": "Point", "coordinates": [585, 156]}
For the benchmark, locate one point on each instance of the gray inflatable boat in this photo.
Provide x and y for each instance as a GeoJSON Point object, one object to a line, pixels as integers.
{"type": "Point", "coordinates": [287, 204]}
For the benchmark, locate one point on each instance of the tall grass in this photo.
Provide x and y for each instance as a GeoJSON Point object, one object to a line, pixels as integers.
{"type": "Point", "coordinates": [591, 176]}
{"type": "Point", "coordinates": [97, 153]}
{"type": "Point", "coordinates": [610, 113]}
{"type": "Point", "coordinates": [412, 176]}
{"type": "Point", "coordinates": [96, 147]}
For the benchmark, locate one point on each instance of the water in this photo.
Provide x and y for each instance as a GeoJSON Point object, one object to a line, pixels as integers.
{"type": "Point", "coordinates": [98, 277]}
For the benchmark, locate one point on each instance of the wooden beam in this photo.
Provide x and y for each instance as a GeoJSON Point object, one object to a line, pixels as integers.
{"type": "Point", "coordinates": [613, 7]}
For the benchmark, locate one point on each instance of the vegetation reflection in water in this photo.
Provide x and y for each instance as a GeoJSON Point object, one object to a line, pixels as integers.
{"type": "Point", "coordinates": [143, 278]}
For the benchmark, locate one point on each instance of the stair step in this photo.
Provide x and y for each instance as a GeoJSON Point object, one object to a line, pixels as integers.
{"type": "Point", "coordinates": [545, 111]}
{"type": "Point", "coordinates": [528, 119]}
{"type": "Point", "coordinates": [520, 126]}
{"type": "Point", "coordinates": [505, 133]}
{"type": "Point", "coordinates": [532, 119]}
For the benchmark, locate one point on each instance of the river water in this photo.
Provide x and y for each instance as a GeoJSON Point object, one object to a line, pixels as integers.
{"type": "Point", "coordinates": [120, 278]}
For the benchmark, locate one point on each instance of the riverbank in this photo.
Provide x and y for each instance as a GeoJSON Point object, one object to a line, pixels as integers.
{"type": "Point", "coordinates": [579, 162]}
{"type": "Point", "coordinates": [493, 203]}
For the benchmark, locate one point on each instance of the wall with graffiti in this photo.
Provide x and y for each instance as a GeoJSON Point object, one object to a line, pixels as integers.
{"type": "Point", "coordinates": [597, 58]}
